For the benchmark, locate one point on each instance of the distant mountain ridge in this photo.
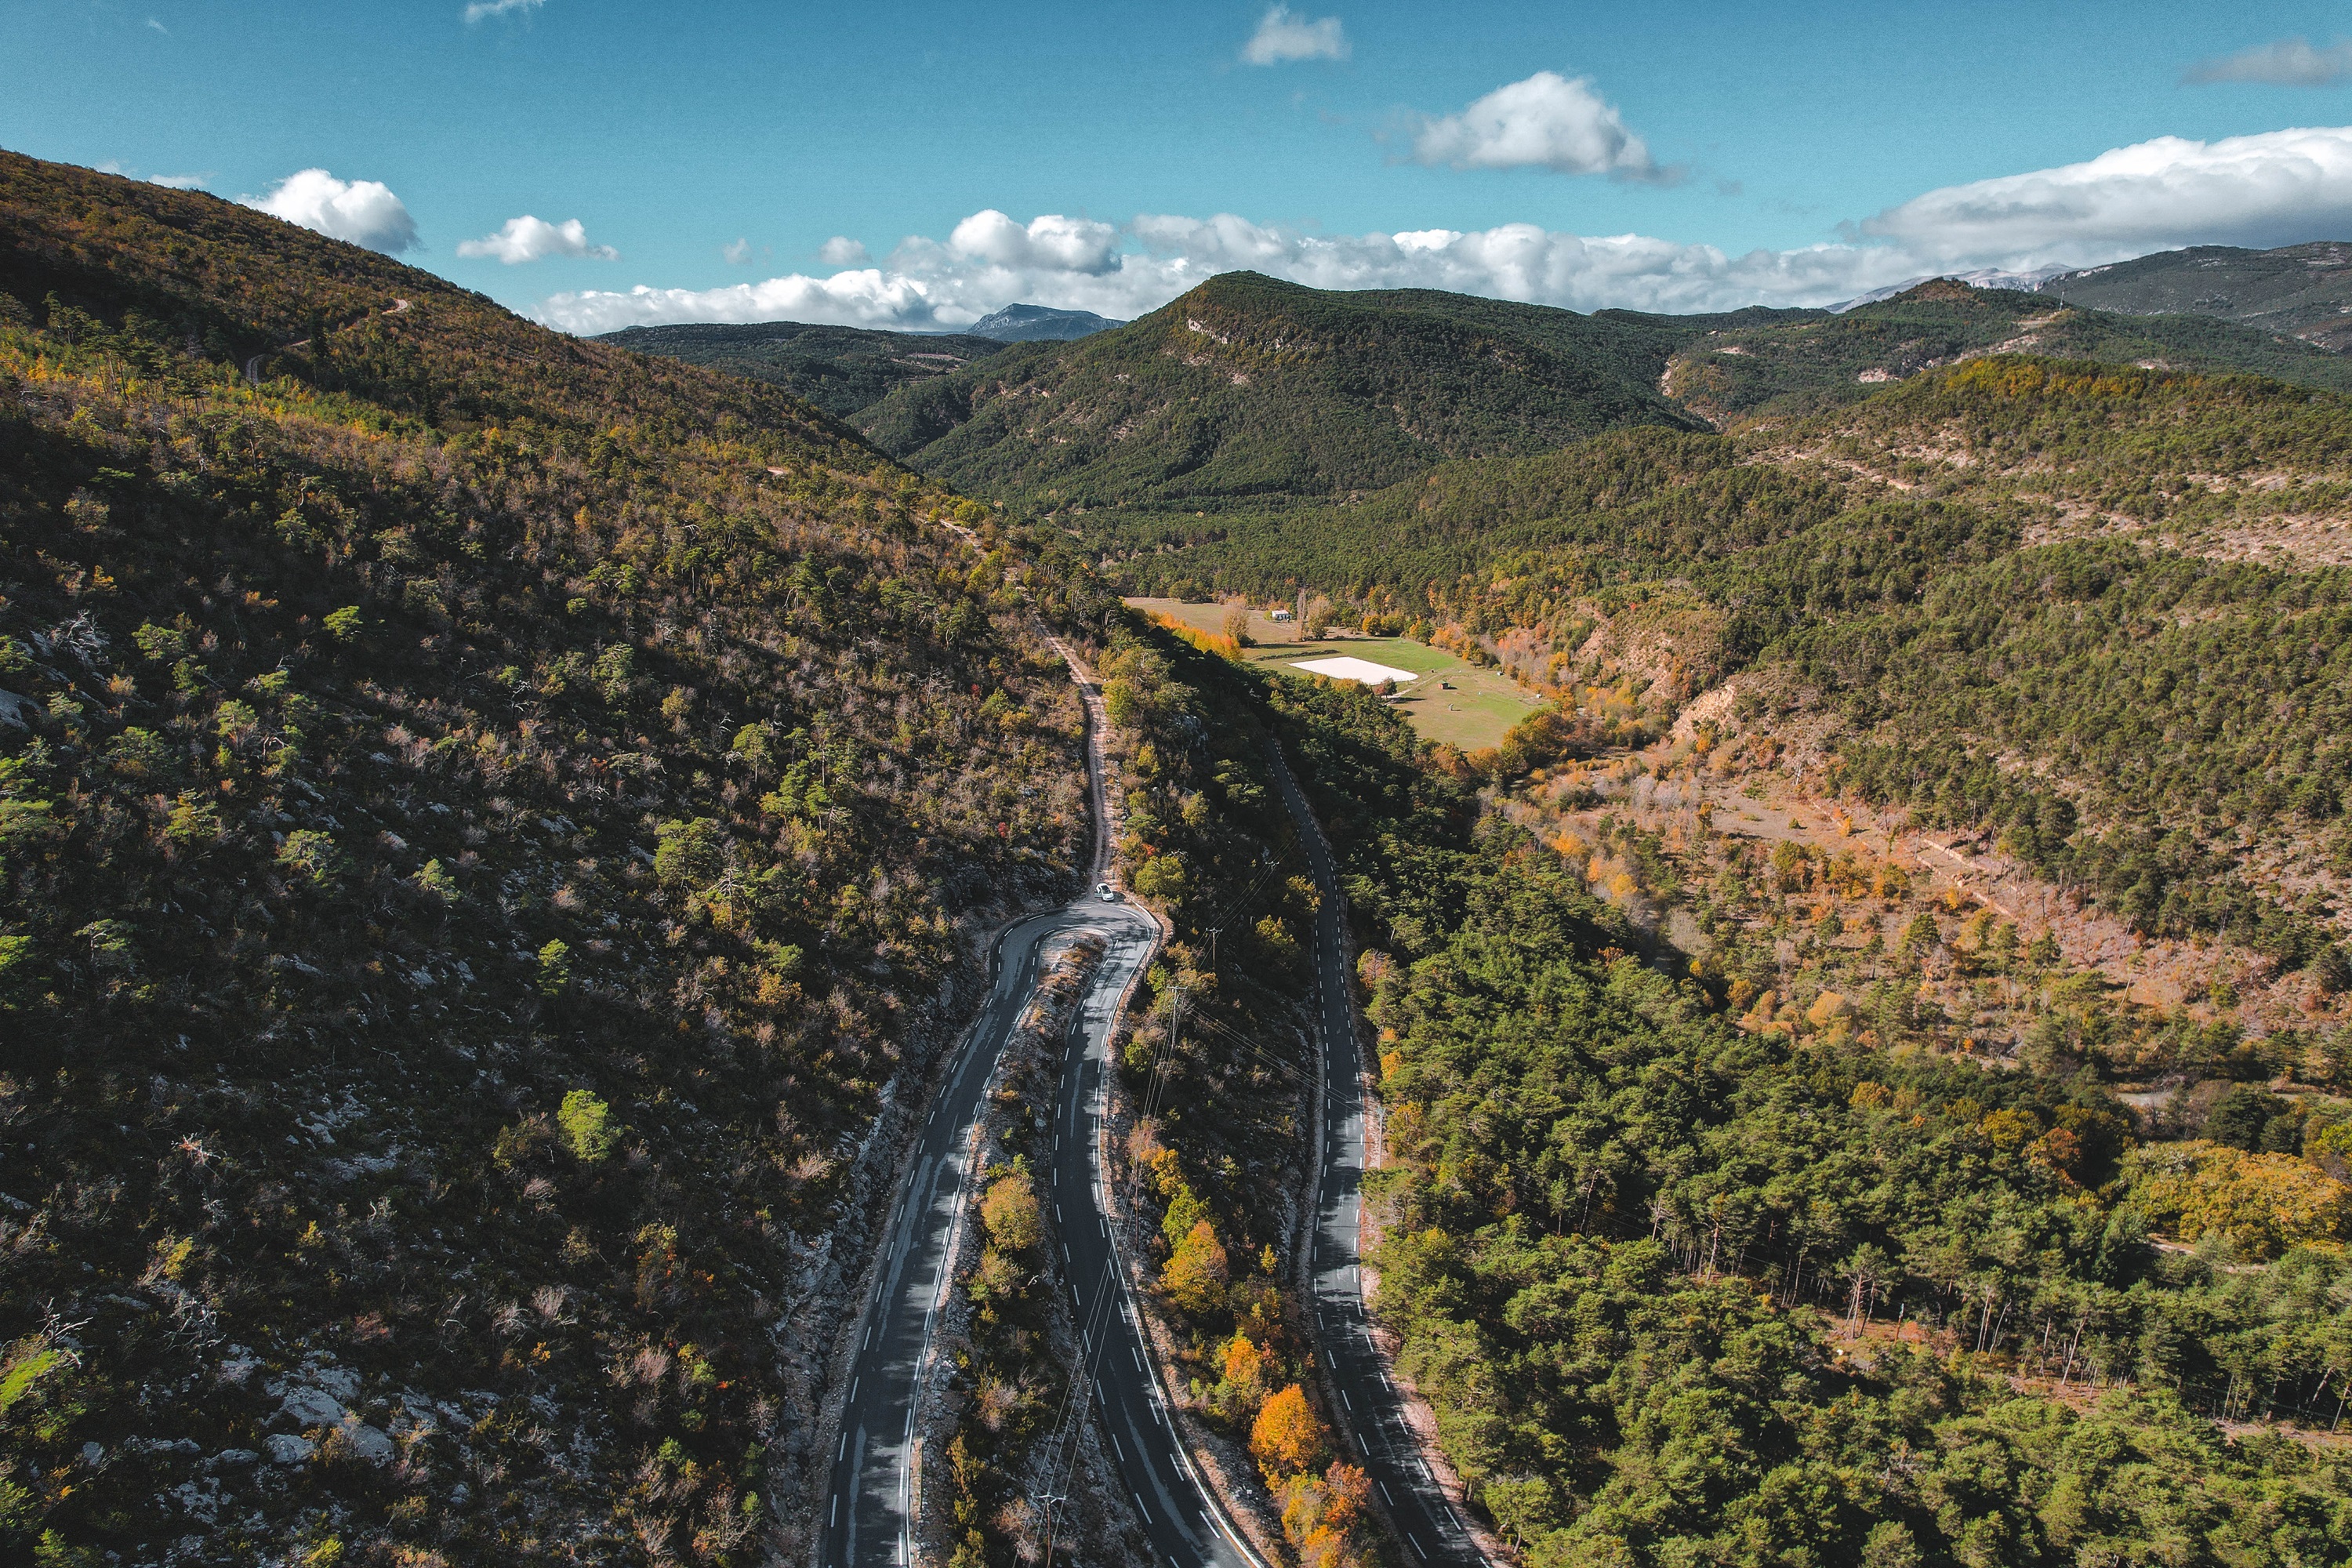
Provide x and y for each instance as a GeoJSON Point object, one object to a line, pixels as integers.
{"type": "Point", "coordinates": [1982, 277]}
{"type": "Point", "coordinates": [1039, 324]}
{"type": "Point", "coordinates": [1804, 366]}
{"type": "Point", "coordinates": [839, 369]}
{"type": "Point", "coordinates": [2301, 290]}
{"type": "Point", "coordinates": [1250, 391]}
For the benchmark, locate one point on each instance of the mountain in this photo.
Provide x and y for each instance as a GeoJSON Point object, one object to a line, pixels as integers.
{"type": "Point", "coordinates": [1800, 366]}
{"type": "Point", "coordinates": [1885, 955]}
{"type": "Point", "coordinates": [839, 369]}
{"type": "Point", "coordinates": [2298, 290]}
{"type": "Point", "coordinates": [1249, 392]}
{"type": "Point", "coordinates": [1982, 277]}
{"type": "Point", "coordinates": [1039, 324]}
{"type": "Point", "coordinates": [1905, 558]}
{"type": "Point", "coordinates": [490, 824]}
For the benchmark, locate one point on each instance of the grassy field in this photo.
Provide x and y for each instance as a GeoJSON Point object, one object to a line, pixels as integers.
{"type": "Point", "coordinates": [1451, 700]}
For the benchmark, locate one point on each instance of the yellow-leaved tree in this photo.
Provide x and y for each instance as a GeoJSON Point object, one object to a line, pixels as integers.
{"type": "Point", "coordinates": [1196, 1272]}
{"type": "Point", "coordinates": [1286, 1438]}
{"type": "Point", "coordinates": [2264, 1203]}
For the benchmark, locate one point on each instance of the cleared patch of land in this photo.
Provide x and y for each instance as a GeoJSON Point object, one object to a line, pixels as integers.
{"type": "Point", "coordinates": [1449, 699]}
{"type": "Point", "coordinates": [1347, 666]}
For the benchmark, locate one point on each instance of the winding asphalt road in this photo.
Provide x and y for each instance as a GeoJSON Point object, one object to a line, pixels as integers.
{"type": "Point", "coordinates": [868, 1503]}
{"type": "Point", "coordinates": [1370, 1414]}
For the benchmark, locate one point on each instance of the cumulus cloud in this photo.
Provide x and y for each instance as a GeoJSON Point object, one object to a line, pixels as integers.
{"type": "Point", "coordinates": [1281, 36]}
{"type": "Point", "coordinates": [529, 238]}
{"type": "Point", "coordinates": [736, 252]}
{"type": "Point", "coordinates": [866, 298]}
{"type": "Point", "coordinates": [843, 251]}
{"type": "Point", "coordinates": [363, 211]}
{"type": "Point", "coordinates": [169, 181]}
{"type": "Point", "coordinates": [482, 8]}
{"type": "Point", "coordinates": [929, 285]}
{"type": "Point", "coordinates": [1547, 121]}
{"type": "Point", "coordinates": [2292, 62]}
{"type": "Point", "coordinates": [1051, 243]}
{"type": "Point", "coordinates": [2273, 189]}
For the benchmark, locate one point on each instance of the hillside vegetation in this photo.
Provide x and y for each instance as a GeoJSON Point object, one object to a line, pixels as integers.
{"type": "Point", "coordinates": [1248, 396]}
{"type": "Point", "coordinates": [484, 820]}
{"type": "Point", "coordinates": [2301, 290]}
{"type": "Point", "coordinates": [2092, 613]}
{"type": "Point", "coordinates": [1807, 366]}
{"type": "Point", "coordinates": [839, 369]}
{"type": "Point", "coordinates": [1679, 1288]}
{"type": "Point", "coordinates": [1248, 391]}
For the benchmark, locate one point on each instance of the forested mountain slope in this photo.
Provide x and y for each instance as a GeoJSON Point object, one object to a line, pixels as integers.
{"type": "Point", "coordinates": [1680, 1289]}
{"type": "Point", "coordinates": [2303, 290]}
{"type": "Point", "coordinates": [1251, 391]}
{"type": "Point", "coordinates": [839, 369]}
{"type": "Point", "coordinates": [1803, 367]}
{"type": "Point", "coordinates": [2098, 609]}
{"type": "Point", "coordinates": [484, 821]}
{"type": "Point", "coordinates": [1248, 397]}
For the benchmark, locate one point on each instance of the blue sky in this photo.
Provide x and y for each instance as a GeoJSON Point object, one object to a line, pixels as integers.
{"type": "Point", "coordinates": [1506, 141]}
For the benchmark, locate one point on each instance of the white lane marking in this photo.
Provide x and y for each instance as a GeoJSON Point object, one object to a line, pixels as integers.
{"type": "Point", "coordinates": [1115, 1444]}
{"type": "Point", "coordinates": [834, 1516]}
{"type": "Point", "coordinates": [1384, 1492]}
{"type": "Point", "coordinates": [1417, 1551]}
{"type": "Point", "coordinates": [844, 1449]}
{"type": "Point", "coordinates": [1139, 1508]}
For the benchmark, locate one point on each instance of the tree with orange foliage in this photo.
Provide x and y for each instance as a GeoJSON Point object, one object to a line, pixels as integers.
{"type": "Point", "coordinates": [1320, 1514]}
{"type": "Point", "coordinates": [1195, 1276]}
{"type": "Point", "coordinates": [1286, 1439]}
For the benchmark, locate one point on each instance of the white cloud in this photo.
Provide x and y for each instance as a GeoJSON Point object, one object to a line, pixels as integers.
{"type": "Point", "coordinates": [1281, 37]}
{"type": "Point", "coordinates": [363, 211]}
{"type": "Point", "coordinates": [926, 284]}
{"type": "Point", "coordinates": [860, 298]}
{"type": "Point", "coordinates": [2292, 62]}
{"type": "Point", "coordinates": [529, 238]}
{"type": "Point", "coordinates": [481, 8]}
{"type": "Point", "coordinates": [843, 251]}
{"type": "Point", "coordinates": [2273, 189]}
{"type": "Point", "coordinates": [1547, 121]}
{"type": "Point", "coordinates": [169, 181]}
{"type": "Point", "coordinates": [736, 252]}
{"type": "Point", "coordinates": [1052, 242]}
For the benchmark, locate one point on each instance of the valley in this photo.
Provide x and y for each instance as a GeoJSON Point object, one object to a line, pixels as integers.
{"type": "Point", "coordinates": [747, 944]}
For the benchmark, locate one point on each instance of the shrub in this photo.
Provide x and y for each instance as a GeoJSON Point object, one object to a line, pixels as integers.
{"type": "Point", "coordinates": [554, 966]}
{"type": "Point", "coordinates": [1010, 1214]}
{"type": "Point", "coordinates": [312, 855]}
{"type": "Point", "coordinates": [587, 1123]}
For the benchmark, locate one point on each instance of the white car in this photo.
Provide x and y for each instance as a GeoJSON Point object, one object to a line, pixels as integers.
{"type": "Point", "coordinates": [1103, 891]}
